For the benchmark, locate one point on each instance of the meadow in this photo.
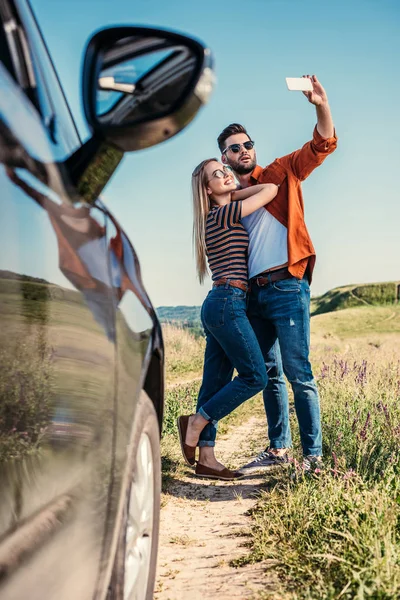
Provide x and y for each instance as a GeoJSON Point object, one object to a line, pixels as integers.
{"type": "Point", "coordinates": [334, 533]}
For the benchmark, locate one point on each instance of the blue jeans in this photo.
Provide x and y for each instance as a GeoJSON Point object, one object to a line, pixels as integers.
{"type": "Point", "coordinates": [231, 343]}
{"type": "Point", "coordinates": [281, 311]}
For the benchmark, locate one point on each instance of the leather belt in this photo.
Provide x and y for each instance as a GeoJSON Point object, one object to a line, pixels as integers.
{"type": "Point", "coordinates": [271, 276]}
{"type": "Point", "coordinates": [237, 283]}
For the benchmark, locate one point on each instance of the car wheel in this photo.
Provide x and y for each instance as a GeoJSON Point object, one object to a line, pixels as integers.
{"type": "Point", "coordinates": [136, 557]}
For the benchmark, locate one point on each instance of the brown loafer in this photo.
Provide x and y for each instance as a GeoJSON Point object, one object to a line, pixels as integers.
{"type": "Point", "coordinates": [225, 474]}
{"type": "Point", "coordinates": [189, 452]}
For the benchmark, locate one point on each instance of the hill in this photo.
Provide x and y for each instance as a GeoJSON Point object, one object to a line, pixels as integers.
{"type": "Point", "coordinates": [11, 276]}
{"type": "Point", "coordinates": [356, 322]}
{"type": "Point", "coordinates": [183, 316]}
{"type": "Point", "coordinates": [178, 313]}
{"type": "Point", "coordinates": [352, 296]}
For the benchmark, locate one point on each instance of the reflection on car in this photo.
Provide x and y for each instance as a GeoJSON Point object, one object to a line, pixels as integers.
{"type": "Point", "coordinates": [81, 351]}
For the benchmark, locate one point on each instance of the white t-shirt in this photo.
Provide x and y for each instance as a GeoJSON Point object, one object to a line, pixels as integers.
{"type": "Point", "coordinates": [267, 242]}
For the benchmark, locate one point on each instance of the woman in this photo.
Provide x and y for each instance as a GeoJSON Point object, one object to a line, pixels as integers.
{"type": "Point", "coordinates": [220, 237]}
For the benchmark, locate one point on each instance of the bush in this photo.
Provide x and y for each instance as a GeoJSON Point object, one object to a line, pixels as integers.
{"type": "Point", "coordinates": [26, 388]}
{"type": "Point", "coordinates": [35, 297]}
{"type": "Point", "coordinates": [377, 293]}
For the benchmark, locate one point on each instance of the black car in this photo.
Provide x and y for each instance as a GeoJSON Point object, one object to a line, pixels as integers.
{"type": "Point", "coordinates": [81, 351]}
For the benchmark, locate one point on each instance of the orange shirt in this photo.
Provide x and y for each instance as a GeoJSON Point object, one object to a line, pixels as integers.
{"type": "Point", "coordinates": [288, 206]}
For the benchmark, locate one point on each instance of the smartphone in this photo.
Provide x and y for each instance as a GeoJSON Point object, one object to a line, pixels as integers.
{"type": "Point", "coordinates": [299, 84]}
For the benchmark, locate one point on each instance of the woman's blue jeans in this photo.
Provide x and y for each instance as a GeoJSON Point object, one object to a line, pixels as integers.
{"type": "Point", "coordinates": [227, 327]}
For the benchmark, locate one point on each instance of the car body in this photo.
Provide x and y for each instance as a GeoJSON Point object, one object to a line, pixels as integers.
{"type": "Point", "coordinates": [81, 351]}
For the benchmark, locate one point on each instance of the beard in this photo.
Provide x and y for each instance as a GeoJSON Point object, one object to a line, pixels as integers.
{"type": "Point", "coordinates": [242, 169]}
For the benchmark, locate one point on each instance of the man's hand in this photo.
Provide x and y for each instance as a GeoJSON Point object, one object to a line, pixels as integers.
{"type": "Point", "coordinates": [318, 96]}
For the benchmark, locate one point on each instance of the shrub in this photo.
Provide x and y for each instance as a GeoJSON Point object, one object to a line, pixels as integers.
{"type": "Point", "coordinates": [377, 293]}
{"type": "Point", "coordinates": [26, 387]}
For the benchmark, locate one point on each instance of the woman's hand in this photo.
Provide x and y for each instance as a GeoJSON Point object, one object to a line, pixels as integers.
{"type": "Point", "coordinates": [270, 189]}
{"type": "Point", "coordinates": [262, 195]}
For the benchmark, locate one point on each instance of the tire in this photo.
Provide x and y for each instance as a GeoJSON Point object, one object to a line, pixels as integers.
{"type": "Point", "coordinates": [133, 575]}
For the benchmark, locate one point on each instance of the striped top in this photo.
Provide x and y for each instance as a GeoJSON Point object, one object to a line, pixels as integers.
{"type": "Point", "coordinates": [227, 242]}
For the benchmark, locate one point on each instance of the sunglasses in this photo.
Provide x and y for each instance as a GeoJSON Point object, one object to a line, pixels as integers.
{"type": "Point", "coordinates": [221, 173]}
{"type": "Point", "coordinates": [235, 148]}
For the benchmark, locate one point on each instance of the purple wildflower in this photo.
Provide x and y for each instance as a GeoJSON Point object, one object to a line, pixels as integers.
{"type": "Point", "coordinates": [363, 432]}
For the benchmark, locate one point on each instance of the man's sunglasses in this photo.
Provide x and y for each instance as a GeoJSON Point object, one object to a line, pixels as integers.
{"type": "Point", "coordinates": [235, 148]}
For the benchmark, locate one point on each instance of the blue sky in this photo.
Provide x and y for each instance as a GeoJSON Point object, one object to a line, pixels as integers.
{"type": "Point", "coordinates": [352, 201]}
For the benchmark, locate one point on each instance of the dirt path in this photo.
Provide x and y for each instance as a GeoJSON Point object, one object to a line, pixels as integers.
{"type": "Point", "coordinates": [389, 318]}
{"type": "Point", "coordinates": [201, 527]}
{"type": "Point", "coordinates": [180, 382]}
{"type": "Point", "coordinates": [359, 299]}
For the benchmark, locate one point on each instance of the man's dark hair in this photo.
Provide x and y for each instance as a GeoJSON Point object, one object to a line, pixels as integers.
{"type": "Point", "coordinates": [232, 129]}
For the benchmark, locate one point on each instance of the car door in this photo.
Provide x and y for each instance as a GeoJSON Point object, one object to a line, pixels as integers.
{"type": "Point", "coordinates": [135, 321]}
{"type": "Point", "coordinates": [57, 345]}
{"type": "Point", "coordinates": [136, 331]}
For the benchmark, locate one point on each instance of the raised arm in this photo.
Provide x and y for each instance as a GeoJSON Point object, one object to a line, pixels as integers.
{"type": "Point", "coordinates": [255, 196]}
{"type": "Point", "coordinates": [302, 162]}
{"type": "Point", "coordinates": [319, 98]}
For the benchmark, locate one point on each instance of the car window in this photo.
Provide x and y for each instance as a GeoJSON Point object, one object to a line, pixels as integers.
{"type": "Point", "coordinates": [49, 96]}
{"type": "Point", "coordinates": [5, 55]}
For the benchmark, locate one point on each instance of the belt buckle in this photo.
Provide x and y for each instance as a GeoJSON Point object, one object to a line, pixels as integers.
{"type": "Point", "coordinates": [261, 284]}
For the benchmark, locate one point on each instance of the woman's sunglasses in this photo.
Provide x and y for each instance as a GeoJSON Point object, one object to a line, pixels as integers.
{"type": "Point", "coordinates": [235, 148]}
{"type": "Point", "coordinates": [221, 173]}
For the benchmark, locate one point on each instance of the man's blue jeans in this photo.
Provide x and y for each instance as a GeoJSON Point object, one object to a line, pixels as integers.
{"type": "Point", "coordinates": [231, 343]}
{"type": "Point", "coordinates": [281, 311]}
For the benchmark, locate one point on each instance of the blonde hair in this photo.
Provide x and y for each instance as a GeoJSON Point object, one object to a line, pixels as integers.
{"type": "Point", "coordinates": [201, 208]}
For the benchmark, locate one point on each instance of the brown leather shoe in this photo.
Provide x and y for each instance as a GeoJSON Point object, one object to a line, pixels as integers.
{"type": "Point", "coordinates": [225, 474]}
{"type": "Point", "coordinates": [189, 452]}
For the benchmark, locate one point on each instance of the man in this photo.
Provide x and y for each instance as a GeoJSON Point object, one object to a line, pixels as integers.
{"type": "Point", "coordinates": [281, 261]}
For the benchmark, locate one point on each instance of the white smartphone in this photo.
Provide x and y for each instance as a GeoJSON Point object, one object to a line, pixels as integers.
{"type": "Point", "coordinates": [299, 84]}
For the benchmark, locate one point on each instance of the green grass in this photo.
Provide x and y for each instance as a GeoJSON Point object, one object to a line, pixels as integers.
{"type": "Point", "coordinates": [179, 400]}
{"type": "Point", "coordinates": [331, 537]}
{"type": "Point", "coordinates": [336, 534]}
{"type": "Point", "coordinates": [357, 322]}
{"type": "Point", "coordinates": [184, 354]}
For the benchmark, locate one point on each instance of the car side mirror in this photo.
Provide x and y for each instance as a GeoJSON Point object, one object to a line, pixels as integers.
{"type": "Point", "coordinates": [142, 86]}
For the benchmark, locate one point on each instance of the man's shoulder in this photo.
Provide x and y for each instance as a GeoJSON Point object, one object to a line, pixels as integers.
{"type": "Point", "coordinates": [275, 172]}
